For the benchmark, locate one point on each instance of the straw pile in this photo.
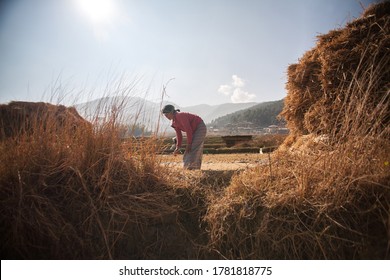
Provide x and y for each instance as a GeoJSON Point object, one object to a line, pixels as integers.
{"type": "Point", "coordinates": [35, 117]}
{"type": "Point", "coordinates": [330, 197]}
{"type": "Point", "coordinates": [305, 207]}
{"type": "Point", "coordinates": [84, 196]}
{"type": "Point", "coordinates": [345, 76]}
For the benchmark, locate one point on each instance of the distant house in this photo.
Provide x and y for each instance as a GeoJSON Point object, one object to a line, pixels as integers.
{"type": "Point", "coordinates": [240, 128]}
{"type": "Point", "coordinates": [274, 129]}
{"type": "Point", "coordinates": [213, 129]}
{"type": "Point", "coordinates": [283, 130]}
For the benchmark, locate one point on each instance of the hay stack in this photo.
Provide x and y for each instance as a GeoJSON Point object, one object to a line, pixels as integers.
{"type": "Point", "coordinates": [18, 116]}
{"type": "Point", "coordinates": [329, 199]}
{"type": "Point", "coordinates": [87, 198]}
{"type": "Point", "coordinates": [304, 207]}
{"type": "Point", "coordinates": [341, 79]}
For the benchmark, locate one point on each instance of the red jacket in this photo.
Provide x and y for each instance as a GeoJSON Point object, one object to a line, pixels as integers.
{"type": "Point", "coordinates": [186, 122]}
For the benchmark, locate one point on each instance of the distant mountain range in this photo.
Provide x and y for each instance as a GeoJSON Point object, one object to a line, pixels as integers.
{"type": "Point", "coordinates": [136, 110]}
{"type": "Point", "coordinates": [212, 112]}
{"type": "Point", "coordinates": [260, 115]}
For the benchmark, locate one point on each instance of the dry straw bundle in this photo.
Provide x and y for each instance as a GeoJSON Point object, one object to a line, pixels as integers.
{"type": "Point", "coordinates": [305, 207]}
{"type": "Point", "coordinates": [328, 195]}
{"type": "Point", "coordinates": [345, 76]}
{"type": "Point", "coordinates": [86, 194]}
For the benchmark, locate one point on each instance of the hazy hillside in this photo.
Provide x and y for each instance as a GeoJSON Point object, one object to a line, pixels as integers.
{"type": "Point", "coordinates": [210, 113]}
{"type": "Point", "coordinates": [128, 110]}
{"type": "Point", "coordinates": [261, 115]}
{"type": "Point", "coordinates": [136, 110]}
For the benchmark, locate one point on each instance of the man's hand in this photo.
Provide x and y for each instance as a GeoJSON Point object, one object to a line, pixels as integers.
{"type": "Point", "coordinates": [176, 151]}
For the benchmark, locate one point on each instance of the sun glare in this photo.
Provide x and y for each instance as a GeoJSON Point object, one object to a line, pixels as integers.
{"type": "Point", "coordinates": [97, 11]}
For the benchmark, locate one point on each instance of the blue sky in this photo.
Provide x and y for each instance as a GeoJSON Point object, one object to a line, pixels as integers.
{"type": "Point", "coordinates": [211, 51]}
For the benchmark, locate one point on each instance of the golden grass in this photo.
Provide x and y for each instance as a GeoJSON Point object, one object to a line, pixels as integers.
{"type": "Point", "coordinates": [323, 195]}
{"type": "Point", "coordinates": [325, 205]}
{"type": "Point", "coordinates": [343, 80]}
{"type": "Point", "coordinates": [86, 195]}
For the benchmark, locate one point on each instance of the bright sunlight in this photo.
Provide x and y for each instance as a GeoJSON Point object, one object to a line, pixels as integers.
{"type": "Point", "coordinates": [97, 11]}
{"type": "Point", "coordinates": [103, 15]}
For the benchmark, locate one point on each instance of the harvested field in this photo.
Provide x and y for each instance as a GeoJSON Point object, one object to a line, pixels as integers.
{"type": "Point", "coordinates": [220, 162]}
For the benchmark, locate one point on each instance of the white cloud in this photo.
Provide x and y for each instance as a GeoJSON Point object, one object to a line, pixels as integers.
{"type": "Point", "coordinates": [240, 96]}
{"type": "Point", "coordinates": [225, 89]}
{"type": "Point", "coordinates": [236, 92]}
{"type": "Point", "coordinates": [237, 81]}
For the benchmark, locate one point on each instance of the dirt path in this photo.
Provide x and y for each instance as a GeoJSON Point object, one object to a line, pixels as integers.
{"type": "Point", "coordinates": [220, 162]}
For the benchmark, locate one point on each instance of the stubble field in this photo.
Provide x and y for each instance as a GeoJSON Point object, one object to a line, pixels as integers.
{"type": "Point", "coordinates": [219, 162]}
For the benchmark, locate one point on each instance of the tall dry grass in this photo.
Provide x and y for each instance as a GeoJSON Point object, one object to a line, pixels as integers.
{"type": "Point", "coordinates": [87, 194]}
{"type": "Point", "coordinates": [325, 205]}
{"type": "Point", "coordinates": [326, 193]}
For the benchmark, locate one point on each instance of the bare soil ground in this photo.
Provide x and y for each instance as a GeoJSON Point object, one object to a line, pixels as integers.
{"type": "Point", "coordinates": [220, 162]}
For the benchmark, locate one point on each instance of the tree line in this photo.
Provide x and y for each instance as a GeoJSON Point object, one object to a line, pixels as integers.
{"type": "Point", "coordinates": [260, 115]}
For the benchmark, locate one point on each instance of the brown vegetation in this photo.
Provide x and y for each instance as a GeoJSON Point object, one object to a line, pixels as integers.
{"type": "Point", "coordinates": [306, 206]}
{"type": "Point", "coordinates": [18, 117]}
{"type": "Point", "coordinates": [343, 80]}
{"type": "Point", "coordinates": [86, 200]}
{"type": "Point", "coordinates": [323, 195]}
